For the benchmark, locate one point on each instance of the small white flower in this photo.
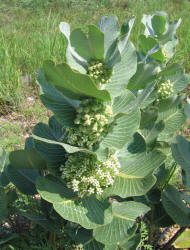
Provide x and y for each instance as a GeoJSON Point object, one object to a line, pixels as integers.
{"type": "Point", "coordinates": [91, 190]}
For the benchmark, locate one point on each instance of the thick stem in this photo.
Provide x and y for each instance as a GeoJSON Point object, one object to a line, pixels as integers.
{"type": "Point", "coordinates": [152, 226]}
{"type": "Point", "coordinates": [179, 232]}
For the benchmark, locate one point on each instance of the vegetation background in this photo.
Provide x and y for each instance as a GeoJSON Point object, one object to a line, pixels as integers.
{"type": "Point", "coordinates": [29, 34]}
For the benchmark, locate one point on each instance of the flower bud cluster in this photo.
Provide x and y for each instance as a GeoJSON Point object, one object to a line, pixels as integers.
{"type": "Point", "coordinates": [91, 124]}
{"type": "Point", "coordinates": [165, 90]}
{"type": "Point", "coordinates": [165, 53]}
{"type": "Point", "coordinates": [87, 175]}
{"type": "Point", "coordinates": [99, 72]}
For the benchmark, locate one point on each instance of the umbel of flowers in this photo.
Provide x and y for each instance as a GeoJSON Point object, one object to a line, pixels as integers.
{"type": "Point", "coordinates": [92, 121]}
{"type": "Point", "coordinates": [99, 72]}
{"type": "Point", "coordinates": [165, 90]}
{"type": "Point", "coordinates": [87, 175]}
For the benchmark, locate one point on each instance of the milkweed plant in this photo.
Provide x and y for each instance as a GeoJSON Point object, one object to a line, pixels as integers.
{"type": "Point", "coordinates": [116, 110]}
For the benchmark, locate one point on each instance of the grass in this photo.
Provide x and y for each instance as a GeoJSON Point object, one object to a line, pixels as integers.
{"type": "Point", "coordinates": [29, 34]}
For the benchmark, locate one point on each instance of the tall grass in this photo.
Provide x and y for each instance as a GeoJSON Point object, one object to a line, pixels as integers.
{"type": "Point", "coordinates": [29, 33]}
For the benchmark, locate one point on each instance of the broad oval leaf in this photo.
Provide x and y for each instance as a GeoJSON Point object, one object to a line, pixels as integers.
{"type": "Point", "coordinates": [28, 159]}
{"type": "Point", "coordinates": [175, 207]}
{"type": "Point", "coordinates": [79, 84]}
{"type": "Point", "coordinates": [123, 225]}
{"type": "Point", "coordinates": [146, 73]}
{"type": "Point", "coordinates": [23, 179]}
{"type": "Point", "coordinates": [89, 46]}
{"type": "Point", "coordinates": [122, 131]}
{"type": "Point", "coordinates": [88, 211]}
{"type": "Point", "coordinates": [63, 108]}
{"type": "Point", "coordinates": [136, 173]}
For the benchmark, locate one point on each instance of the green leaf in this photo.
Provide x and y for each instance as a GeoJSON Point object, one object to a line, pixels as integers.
{"type": "Point", "coordinates": [180, 152]}
{"type": "Point", "coordinates": [144, 97]}
{"type": "Point", "coordinates": [179, 81]}
{"type": "Point", "coordinates": [170, 33]}
{"type": "Point", "coordinates": [23, 179]}
{"type": "Point", "coordinates": [3, 164]}
{"type": "Point", "coordinates": [175, 207]}
{"type": "Point", "coordinates": [122, 131]}
{"type": "Point", "coordinates": [88, 211]}
{"type": "Point", "coordinates": [183, 146]}
{"type": "Point", "coordinates": [61, 106]}
{"type": "Point", "coordinates": [148, 117]}
{"type": "Point", "coordinates": [158, 24]}
{"type": "Point", "coordinates": [153, 132]}
{"type": "Point", "coordinates": [183, 241]}
{"type": "Point", "coordinates": [110, 27]}
{"type": "Point", "coordinates": [3, 205]}
{"type": "Point", "coordinates": [122, 102]}
{"type": "Point", "coordinates": [173, 120]}
{"type": "Point", "coordinates": [85, 239]}
{"type": "Point", "coordinates": [90, 46]}
{"type": "Point", "coordinates": [54, 190]}
{"type": "Point", "coordinates": [123, 225]}
{"type": "Point", "coordinates": [51, 151]}
{"type": "Point", "coordinates": [73, 59]}
{"type": "Point", "coordinates": [169, 103]}
{"type": "Point", "coordinates": [161, 218]}
{"type": "Point", "coordinates": [125, 33]}
{"type": "Point", "coordinates": [96, 42]}
{"type": "Point", "coordinates": [147, 44]}
{"type": "Point", "coordinates": [146, 73]}
{"type": "Point", "coordinates": [28, 159]}
{"type": "Point", "coordinates": [132, 243]}
{"type": "Point", "coordinates": [79, 84]}
{"type": "Point", "coordinates": [187, 110]}
{"type": "Point", "coordinates": [165, 31]}
{"type": "Point", "coordinates": [50, 146]}
{"type": "Point", "coordinates": [123, 71]}
{"type": "Point", "coordinates": [136, 173]}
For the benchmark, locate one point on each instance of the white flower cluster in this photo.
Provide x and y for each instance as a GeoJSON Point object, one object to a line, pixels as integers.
{"type": "Point", "coordinates": [99, 72]}
{"type": "Point", "coordinates": [86, 175]}
{"type": "Point", "coordinates": [92, 123]}
{"type": "Point", "coordinates": [165, 90]}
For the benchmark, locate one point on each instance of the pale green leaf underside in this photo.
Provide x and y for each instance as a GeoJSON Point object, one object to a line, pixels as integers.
{"type": "Point", "coordinates": [123, 130]}
{"type": "Point", "coordinates": [123, 71]}
{"type": "Point", "coordinates": [123, 225]}
{"type": "Point", "coordinates": [88, 211]}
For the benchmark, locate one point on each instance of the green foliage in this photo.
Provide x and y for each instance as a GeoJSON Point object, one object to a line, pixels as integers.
{"type": "Point", "coordinates": [144, 237]}
{"type": "Point", "coordinates": [183, 241]}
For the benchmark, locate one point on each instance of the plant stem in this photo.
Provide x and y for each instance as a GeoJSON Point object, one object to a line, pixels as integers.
{"type": "Point", "coordinates": [172, 171]}
{"type": "Point", "coordinates": [152, 226]}
{"type": "Point", "coordinates": [179, 232]}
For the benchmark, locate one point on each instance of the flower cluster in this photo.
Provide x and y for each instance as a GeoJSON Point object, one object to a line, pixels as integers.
{"type": "Point", "coordinates": [165, 90]}
{"type": "Point", "coordinates": [91, 124]}
{"type": "Point", "coordinates": [86, 175]}
{"type": "Point", "coordinates": [165, 53]}
{"type": "Point", "coordinates": [99, 72]}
